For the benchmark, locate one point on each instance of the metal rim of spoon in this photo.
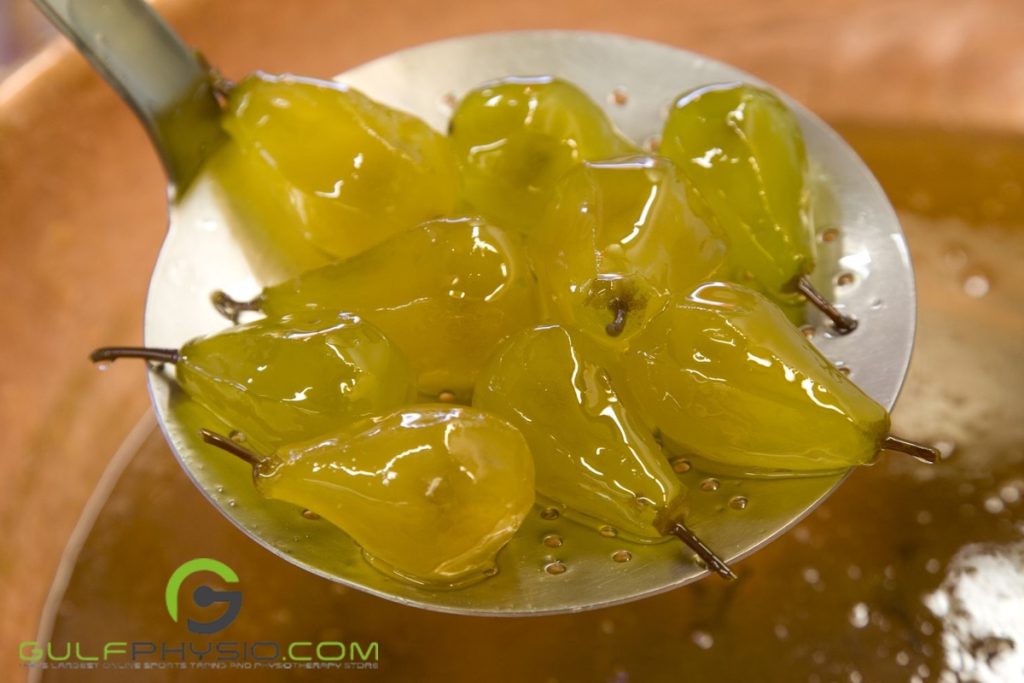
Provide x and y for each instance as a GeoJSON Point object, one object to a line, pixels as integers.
{"type": "Point", "coordinates": [170, 90]}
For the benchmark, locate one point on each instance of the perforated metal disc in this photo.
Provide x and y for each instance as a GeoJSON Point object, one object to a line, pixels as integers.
{"type": "Point", "coordinates": [200, 255]}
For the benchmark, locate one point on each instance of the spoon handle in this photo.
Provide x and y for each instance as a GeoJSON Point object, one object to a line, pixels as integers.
{"type": "Point", "coordinates": [154, 72]}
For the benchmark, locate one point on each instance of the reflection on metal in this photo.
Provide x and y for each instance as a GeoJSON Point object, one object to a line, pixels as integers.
{"type": "Point", "coordinates": [149, 66]}
{"type": "Point", "coordinates": [981, 607]}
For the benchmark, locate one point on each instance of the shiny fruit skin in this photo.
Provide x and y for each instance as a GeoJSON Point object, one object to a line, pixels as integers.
{"type": "Point", "coordinates": [515, 137]}
{"type": "Point", "coordinates": [592, 455]}
{"type": "Point", "coordinates": [622, 233]}
{"type": "Point", "coordinates": [317, 171]}
{"type": "Point", "coordinates": [446, 293]}
{"type": "Point", "coordinates": [743, 151]}
{"type": "Point", "coordinates": [430, 492]}
{"type": "Point", "coordinates": [291, 378]}
{"type": "Point", "coordinates": [725, 377]}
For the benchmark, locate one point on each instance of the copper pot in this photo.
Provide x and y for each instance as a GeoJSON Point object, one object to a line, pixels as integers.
{"type": "Point", "coordinates": [931, 94]}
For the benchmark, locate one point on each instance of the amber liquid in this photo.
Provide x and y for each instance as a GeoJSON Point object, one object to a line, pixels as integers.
{"type": "Point", "coordinates": [906, 573]}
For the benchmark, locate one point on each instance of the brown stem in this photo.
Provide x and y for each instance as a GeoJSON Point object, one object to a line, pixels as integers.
{"type": "Point", "coordinates": [226, 444]}
{"type": "Point", "coordinates": [221, 86]}
{"type": "Point", "coordinates": [232, 309]}
{"type": "Point", "coordinates": [109, 354]}
{"type": "Point", "coordinates": [620, 308]}
{"type": "Point", "coordinates": [920, 451]}
{"type": "Point", "coordinates": [713, 561]}
{"type": "Point", "coordinates": [844, 324]}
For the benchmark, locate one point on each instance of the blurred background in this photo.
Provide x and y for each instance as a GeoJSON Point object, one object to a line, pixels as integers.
{"type": "Point", "coordinates": [905, 574]}
{"type": "Point", "coordinates": [22, 30]}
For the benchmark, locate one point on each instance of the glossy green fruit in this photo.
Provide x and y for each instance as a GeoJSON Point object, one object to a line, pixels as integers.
{"type": "Point", "coordinates": [514, 138]}
{"type": "Point", "coordinates": [279, 380]}
{"type": "Point", "coordinates": [318, 171]}
{"type": "Point", "coordinates": [446, 293]}
{"type": "Point", "coordinates": [591, 453]}
{"type": "Point", "coordinates": [743, 152]}
{"type": "Point", "coordinates": [619, 237]}
{"type": "Point", "coordinates": [725, 377]}
{"type": "Point", "coordinates": [430, 492]}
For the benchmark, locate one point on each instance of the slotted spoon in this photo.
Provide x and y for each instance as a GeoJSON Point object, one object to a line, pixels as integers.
{"type": "Point", "coordinates": [635, 81]}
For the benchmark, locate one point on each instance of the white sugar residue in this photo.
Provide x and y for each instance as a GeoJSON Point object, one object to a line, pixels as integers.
{"type": "Point", "coordinates": [981, 605]}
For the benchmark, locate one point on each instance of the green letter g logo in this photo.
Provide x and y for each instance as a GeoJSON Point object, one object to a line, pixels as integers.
{"type": "Point", "coordinates": [204, 596]}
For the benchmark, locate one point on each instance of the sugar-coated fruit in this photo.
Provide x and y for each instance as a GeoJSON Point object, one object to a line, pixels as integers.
{"type": "Point", "coordinates": [515, 137]}
{"type": "Point", "coordinates": [430, 492]}
{"type": "Point", "coordinates": [318, 171]}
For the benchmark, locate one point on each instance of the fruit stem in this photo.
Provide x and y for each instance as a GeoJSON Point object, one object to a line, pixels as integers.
{"type": "Point", "coordinates": [620, 308]}
{"type": "Point", "coordinates": [220, 85]}
{"type": "Point", "coordinates": [230, 308]}
{"type": "Point", "coordinates": [226, 444]}
{"type": "Point", "coordinates": [920, 451]}
{"type": "Point", "coordinates": [844, 324]}
{"type": "Point", "coordinates": [108, 354]}
{"type": "Point", "coordinates": [713, 561]}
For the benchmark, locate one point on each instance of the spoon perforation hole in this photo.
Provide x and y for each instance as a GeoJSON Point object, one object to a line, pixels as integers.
{"type": "Point", "coordinates": [619, 97]}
